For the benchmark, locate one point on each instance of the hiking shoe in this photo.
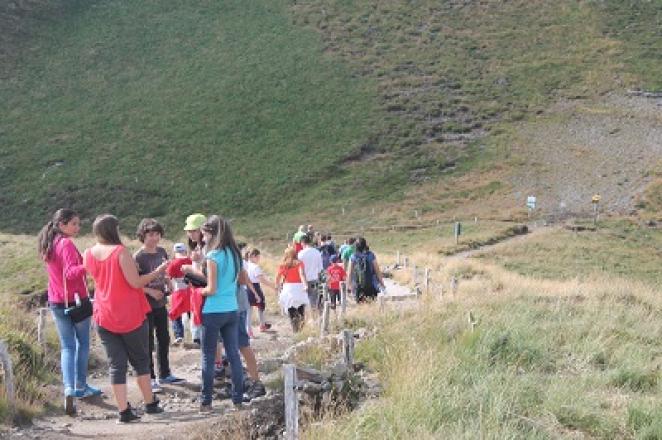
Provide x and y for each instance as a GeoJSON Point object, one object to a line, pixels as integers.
{"type": "Point", "coordinates": [156, 388]}
{"type": "Point", "coordinates": [256, 390]}
{"type": "Point", "coordinates": [69, 407]}
{"type": "Point", "coordinates": [153, 408]}
{"type": "Point", "coordinates": [171, 379]}
{"type": "Point", "coordinates": [264, 327]}
{"type": "Point", "coordinates": [178, 341]}
{"type": "Point", "coordinates": [128, 415]}
{"type": "Point", "coordinates": [225, 392]}
{"type": "Point", "coordinates": [205, 408]}
{"type": "Point", "coordinates": [88, 391]}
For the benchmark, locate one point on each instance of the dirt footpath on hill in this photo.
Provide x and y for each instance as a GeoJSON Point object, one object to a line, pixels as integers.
{"type": "Point", "coordinates": [583, 147]}
{"type": "Point", "coordinates": [97, 416]}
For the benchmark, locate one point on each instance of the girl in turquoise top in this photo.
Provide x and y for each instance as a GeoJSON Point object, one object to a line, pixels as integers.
{"type": "Point", "coordinates": [219, 313]}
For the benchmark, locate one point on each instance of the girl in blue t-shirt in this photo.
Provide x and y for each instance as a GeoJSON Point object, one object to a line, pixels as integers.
{"type": "Point", "coordinates": [219, 312]}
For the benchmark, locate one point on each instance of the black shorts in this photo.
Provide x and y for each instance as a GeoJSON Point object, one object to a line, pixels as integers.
{"type": "Point", "coordinates": [251, 297]}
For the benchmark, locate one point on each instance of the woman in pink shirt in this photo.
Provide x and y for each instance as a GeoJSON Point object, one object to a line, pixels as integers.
{"type": "Point", "coordinates": [66, 274]}
{"type": "Point", "coordinates": [120, 309]}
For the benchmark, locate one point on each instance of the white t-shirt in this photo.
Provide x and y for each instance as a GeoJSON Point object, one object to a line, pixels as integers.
{"type": "Point", "coordinates": [254, 271]}
{"type": "Point", "coordinates": [312, 263]}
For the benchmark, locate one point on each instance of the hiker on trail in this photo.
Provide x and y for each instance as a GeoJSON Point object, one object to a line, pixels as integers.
{"type": "Point", "coordinates": [365, 276]}
{"type": "Point", "coordinates": [149, 257]}
{"type": "Point", "coordinates": [120, 311]}
{"type": "Point", "coordinates": [347, 252]}
{"type": "Point", "coordinates": [327, 249]}
{"type": "Point", "coordinates": [298, 236]}
{"type": "Point", "coordinates": [335, 275]}
{"type": "Point", "coordinates": [257, 278]}
{"type": "Point", "coordinates": [196, 245]}
{"type": "Point", "coordinates": [180, 301]}
{"type": "Point", "coordinates": [220, 315]}
{"type": "Point", "coordinates": [312, 263]}
{"type": "Point", "coordinates": [291, 282]}
{"type": "Point", "coordinates": [66, 280]}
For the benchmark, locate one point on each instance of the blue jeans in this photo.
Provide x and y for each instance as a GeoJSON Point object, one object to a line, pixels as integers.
{"type": "Point", "coordinates": [178, 328]}
{"type": "Point", "coordinates": [75, 350]}
{"type": "Point", "coordinates": [225, 325]}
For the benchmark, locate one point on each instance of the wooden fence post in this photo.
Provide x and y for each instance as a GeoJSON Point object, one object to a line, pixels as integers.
{"type": "Point", "coordinates": [472, 320]}
{"type": "Point", "coordinates": [413, 272]}
{"type": "Point", "coordinates": [381, 300]}
{"type": "Point", "coordinates": [41, 326]}
{"type": "Point", "coordinates": [348, 347]}
{"type": "Point", "coordinates": [291, 402]}
{"type": "Point", "coordinates": [325, 292]}
{"type": "Point", "coordinates": [8, 370]}
{"type": "Point", "coordinates": [427, 280]}
{"type": "Point", "coordinates": [454, 284]}
{"type": "Point", "coordinates": [324, 328]}
{"type": "Point", "coordinates": [405, 262]}
{"type": "Point", "coordinates": [343, 298]}
{"type": "Point", "coordinates": [397, 258]}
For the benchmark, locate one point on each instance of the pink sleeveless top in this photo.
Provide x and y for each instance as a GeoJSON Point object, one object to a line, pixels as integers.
{"type": "Point", "coordinates": [118, 307]}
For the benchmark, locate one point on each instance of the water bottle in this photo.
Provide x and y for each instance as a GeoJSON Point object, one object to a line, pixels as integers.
{"type": "Point", "coordinates": [77, 299]}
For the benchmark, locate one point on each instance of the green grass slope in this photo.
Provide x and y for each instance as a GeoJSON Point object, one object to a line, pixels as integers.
{"type": "Point", "coordinates": [260, 108]}
{"type": "Point", "coordinates": [163, 108]}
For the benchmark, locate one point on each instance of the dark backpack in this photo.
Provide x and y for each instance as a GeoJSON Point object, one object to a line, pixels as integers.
{"type": "Point", "coordinates": [362, 272]}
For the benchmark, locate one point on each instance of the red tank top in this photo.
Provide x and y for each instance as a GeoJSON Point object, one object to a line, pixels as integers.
{"type": "Point", "coordinates": [290, 274]}
{"type": "Point", "coordinates": [118, 307]}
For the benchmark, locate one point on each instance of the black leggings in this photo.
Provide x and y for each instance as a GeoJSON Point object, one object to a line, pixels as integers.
{"type": "Point", "coordinates": [158, 323]}
{"type": "Point", "coordinates": [296, 317]}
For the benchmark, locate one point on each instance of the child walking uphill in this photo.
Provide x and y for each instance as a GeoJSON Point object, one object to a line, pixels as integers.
{"type": "Point", "coordinates": [149, 257]}
{"type": "Point", "coordinates": [120, 311]}
{"type": "Point", "coordinates": [257, 278]}
{"type": "Point", "coordinates": [291, 281]}
{"type": "Point", "coordinates": [335, 275]}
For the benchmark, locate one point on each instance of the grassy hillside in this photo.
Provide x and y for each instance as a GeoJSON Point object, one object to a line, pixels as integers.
{"type": "Point", "coordinates": [161, 108]}
{"type": "Point", "coordinates": [548, 359]}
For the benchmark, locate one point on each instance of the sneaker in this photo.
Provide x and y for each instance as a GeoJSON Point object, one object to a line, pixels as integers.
{"type": "Point", "coordinates": [205, 408]}
{"type": "Point", "coordinates": [256, 390]}
{"type": "Point", "coordinates": [178, 341]}
{"type": "Point", "coordinates": [88, 391]}
{"type": "Point", "coordinates": [264, 327]}
{"type": "Point", "coordinates": [171, 379]}
{"type": "Point", "coordinates": [128, 415]}
{"type": "Point", "coordinates": [153, 408]}
{"type": "Point", "coordinates": [69, 407]}
{"type": "Point", "coordinates": [225, 392]}
{"type": "Point", "coordinates": [156, 388]}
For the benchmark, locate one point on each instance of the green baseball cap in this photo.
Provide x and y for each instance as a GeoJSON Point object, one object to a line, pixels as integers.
{"type": "Point", "coordinates": [194, 222]}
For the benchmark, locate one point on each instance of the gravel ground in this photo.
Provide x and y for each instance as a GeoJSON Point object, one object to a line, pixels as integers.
{"type": "Point", "coordinates": [583, 147]}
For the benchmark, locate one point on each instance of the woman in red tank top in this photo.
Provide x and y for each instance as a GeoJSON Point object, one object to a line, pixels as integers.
{"type": "Point", "coordinates": [293, 294]}
{"type": "Point", "coordinates": [120, 307]}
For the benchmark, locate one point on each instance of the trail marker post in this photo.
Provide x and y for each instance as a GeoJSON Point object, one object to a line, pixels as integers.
{"type": "Point", "coordinates": [343, 298]}
{"type": "Point", "coordinates": [427, 280]}
{"type": "Point", "coordinates": [397, 258]}
{"type": "Point", "coordinates": [530, 204]}
{"type": "Point", "coordinates": [413, 272]}
{"type": "Point", "coordinates": [324, 327]}
{"type": "Point", "coordinates": [8, 371]}
{"type": "Point", "coordinates": [405, 262]}
{"type": "Point", "coordinates": [291, 402]}
{"type": "Point", "coordinates": [595, 200]}
{"type": "Point", "coordinates": [454, 284]}
{"type": "Point", "coordinates": [457, 230]}
{"type": "Point", "coordinates": [41, 326]}
{"type": "Point", "coordinates": [348, 348]}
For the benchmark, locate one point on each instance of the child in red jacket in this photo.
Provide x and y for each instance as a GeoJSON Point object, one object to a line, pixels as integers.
{"type": "Point", "coordinates": [180, 298]}
{"type": "Point", "coordinates": [335, 275]}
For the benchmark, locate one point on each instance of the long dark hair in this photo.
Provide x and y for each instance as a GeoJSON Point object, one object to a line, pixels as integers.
{"type": "Point", "coordinates": [361, 245]}
{"type": "Point", "coordinates": [51, 230]}
{"type": "Point", "coordinates": [106, 229]}
{"type": "Point", "coordinates": [222, 237]}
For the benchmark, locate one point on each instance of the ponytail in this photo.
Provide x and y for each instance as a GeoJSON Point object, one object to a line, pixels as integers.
{"type": "Point", "coordinates": [51, 230]}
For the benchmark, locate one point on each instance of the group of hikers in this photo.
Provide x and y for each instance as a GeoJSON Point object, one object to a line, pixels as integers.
{"type": "Point", "coordinates": [212, 281]}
